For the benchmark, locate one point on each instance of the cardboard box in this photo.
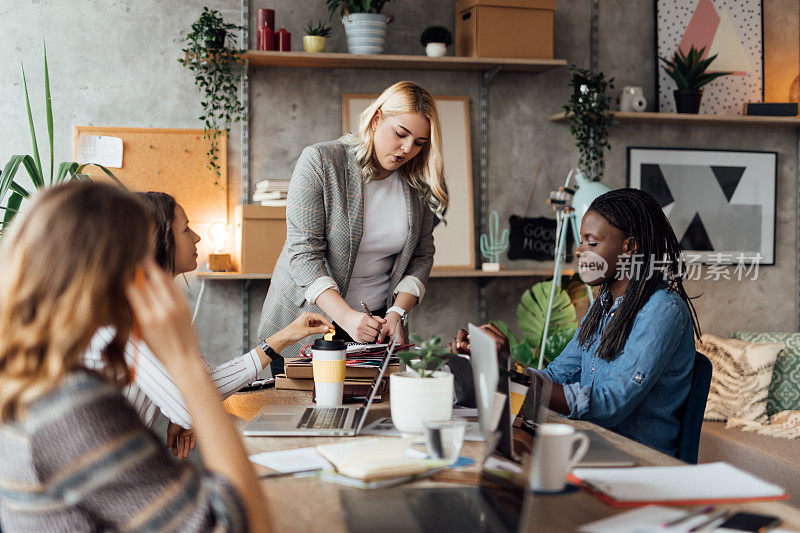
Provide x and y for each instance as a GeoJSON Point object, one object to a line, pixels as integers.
{"type": "Point", "coordinates": [505, 28]}
{"type": "Point", "coordinates": [260, 235]}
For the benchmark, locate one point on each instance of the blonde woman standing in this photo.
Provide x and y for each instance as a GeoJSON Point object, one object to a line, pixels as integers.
{"type": "Point", "coordinates": [359, 220]}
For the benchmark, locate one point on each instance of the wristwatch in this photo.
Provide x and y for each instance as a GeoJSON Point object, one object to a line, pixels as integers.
{"type": "Point", "coordinates": [400, 311]}
{"type": "Point", "coordinates": [272, 354]}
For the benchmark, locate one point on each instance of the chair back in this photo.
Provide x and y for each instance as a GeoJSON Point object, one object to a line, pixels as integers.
{"type": "Point", "coordinates": [693, 410]}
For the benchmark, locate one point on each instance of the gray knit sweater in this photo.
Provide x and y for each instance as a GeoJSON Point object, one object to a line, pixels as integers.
{"type": "Point", "coordinates": [81, 460]}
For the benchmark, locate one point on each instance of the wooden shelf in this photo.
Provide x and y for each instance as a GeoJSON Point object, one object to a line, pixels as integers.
{"type": "Point", "coordinates": [258, 58]}
{"type": "Point", "coordinates": [687, 119]}
{"type": "Point", "coordinates": [444, 273]}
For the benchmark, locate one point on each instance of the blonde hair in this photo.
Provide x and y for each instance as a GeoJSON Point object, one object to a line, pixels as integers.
{"type": "Point", "coordinates": [425, 172]}
{"type": "Point", "coordinates": [66, 263]}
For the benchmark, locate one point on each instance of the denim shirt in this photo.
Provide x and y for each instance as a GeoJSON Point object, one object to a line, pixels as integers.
{"type": "Point", "coordinates": [640, 393]}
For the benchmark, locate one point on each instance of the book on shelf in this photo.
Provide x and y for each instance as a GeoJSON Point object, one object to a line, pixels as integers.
{"type": "Point", "coordinates": [272, 185]}
{"type": "Point", "coordinates": [271, 195]}
{"type": "Point", "coordinates": [274, 203]}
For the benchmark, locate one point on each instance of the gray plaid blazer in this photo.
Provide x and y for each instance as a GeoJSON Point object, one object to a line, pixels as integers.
{"type": "Point", "coordinates": [324, 223]}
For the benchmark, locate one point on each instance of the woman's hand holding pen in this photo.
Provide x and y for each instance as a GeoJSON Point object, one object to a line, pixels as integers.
{"type": "Point", "coordinates": [361, 326]}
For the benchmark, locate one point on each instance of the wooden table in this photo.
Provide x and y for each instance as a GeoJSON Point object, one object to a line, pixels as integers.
{"type": "Point", "coordinates": [306, 504]}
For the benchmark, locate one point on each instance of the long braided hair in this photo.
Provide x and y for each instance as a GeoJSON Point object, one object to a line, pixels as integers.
{"type": "Point", "coordinates": [637, 215]}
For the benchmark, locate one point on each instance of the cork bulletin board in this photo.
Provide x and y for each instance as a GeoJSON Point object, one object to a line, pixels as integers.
{"type": "Point", "coordinates": [171, 161]}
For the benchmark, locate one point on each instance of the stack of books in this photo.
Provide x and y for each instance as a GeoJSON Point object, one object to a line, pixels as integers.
{"type": "Point", "coordinates": [299, 375]}
{"type": "Point", "coordinates": [271, 192]}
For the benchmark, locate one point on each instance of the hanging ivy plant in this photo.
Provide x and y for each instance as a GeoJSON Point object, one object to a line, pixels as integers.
{"type": "Point", "coordinates": [589, 115]}
{"type": "Point", "coordinates": [218, 68]}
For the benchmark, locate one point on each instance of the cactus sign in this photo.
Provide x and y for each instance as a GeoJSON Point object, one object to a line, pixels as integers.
{"type": "Point", "coordinates": [495, 243]}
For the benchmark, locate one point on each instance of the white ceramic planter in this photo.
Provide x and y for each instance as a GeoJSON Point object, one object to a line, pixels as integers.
{"type": "Point", "coordinates": [415, 399]}
{"type": "Point", "coordinates": [365, 32]}
{"type": "Point", "coordinates": [435, 49]}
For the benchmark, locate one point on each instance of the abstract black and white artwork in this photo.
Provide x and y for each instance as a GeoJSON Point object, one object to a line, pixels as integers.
{"type": "Point", "coordinates": [720, 203]}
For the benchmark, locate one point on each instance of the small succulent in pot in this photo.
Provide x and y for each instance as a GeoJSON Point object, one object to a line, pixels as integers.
{"type": "Point", "coordinates": [428, 357]}
{"type": "Point", "coordinates": [317, 29]}
{"type": "Point", "coordinates": [436, 39]}
{"type": "Point", "coordinates": [690, 74]}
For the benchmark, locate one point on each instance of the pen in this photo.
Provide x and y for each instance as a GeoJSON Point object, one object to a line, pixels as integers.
{"type": "Point", "coordinates": [684, 518]}
{"type": "Point", "coordinates": [366, 309]}
{"type": "Point", "coordinates": [713, 518]}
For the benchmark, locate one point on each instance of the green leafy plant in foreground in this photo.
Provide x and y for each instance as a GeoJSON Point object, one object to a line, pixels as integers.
{"type": "Point", "coordinates": [10, 187]}
{"type": "Point", "coordinates": [531, 313]}
{"type": "Point", "coordinates": [428, 357]}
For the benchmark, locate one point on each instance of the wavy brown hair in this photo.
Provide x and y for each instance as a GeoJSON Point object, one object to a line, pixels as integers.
{"type": "Point", "coordinates": [161, 207]}
{"type": "Point", "coordinates": [66, 262]}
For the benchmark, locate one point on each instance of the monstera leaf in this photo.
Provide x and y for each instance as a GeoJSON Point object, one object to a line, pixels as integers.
{"type": "Point", "coordinates": [532, 310]}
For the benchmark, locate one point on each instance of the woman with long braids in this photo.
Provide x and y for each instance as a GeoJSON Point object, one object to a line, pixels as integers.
{"type": "Point", "coordinates": [628, 366]}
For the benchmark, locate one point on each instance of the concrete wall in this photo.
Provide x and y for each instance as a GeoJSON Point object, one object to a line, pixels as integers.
{"type": "Point", "coordinates": [124, 73]}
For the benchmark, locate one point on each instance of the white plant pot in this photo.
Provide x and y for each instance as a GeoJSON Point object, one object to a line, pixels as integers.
{"type": "Point", "coordinates": [435, 49]}
{"type": "Point", "coordinates": [365, 32]}
{"type": "Point", "coordinates": [415, 399]}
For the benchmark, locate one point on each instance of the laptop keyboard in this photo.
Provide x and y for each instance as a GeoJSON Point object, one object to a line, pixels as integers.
{"type": "Point", "coordinates": [323, 418]}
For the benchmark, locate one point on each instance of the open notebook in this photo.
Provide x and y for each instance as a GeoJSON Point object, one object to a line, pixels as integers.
{"type": "Point", "coordinates": [676, 485]}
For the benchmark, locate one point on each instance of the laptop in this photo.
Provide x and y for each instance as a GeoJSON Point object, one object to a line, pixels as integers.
{"type": "Point", "coordinates": [312, 421]}
{"type": "Point", "coordinates": [495, 505]}
{"type": "Point", "coordinates": [488, 383]}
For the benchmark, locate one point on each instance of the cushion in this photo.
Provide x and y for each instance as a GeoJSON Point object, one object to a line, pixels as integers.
{"type": "Point", "coordinates": [784, 390]}
{"type": "Point", "coordinates": [741, 377]}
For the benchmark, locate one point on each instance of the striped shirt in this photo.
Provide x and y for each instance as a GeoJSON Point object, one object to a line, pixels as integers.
{"type": "Point", "coordinates": [153, 390]}
{"type": "Point", "coordinates": [80, 459]}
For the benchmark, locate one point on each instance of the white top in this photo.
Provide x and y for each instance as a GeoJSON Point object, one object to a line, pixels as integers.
{"type": "Point", "coordinates": [384, 234]}
{"type": "Point", "coordinates": [152, 389]}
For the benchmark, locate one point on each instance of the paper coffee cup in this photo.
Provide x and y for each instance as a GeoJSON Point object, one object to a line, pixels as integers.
{"type": "Point", "coordinates": [329, 365]}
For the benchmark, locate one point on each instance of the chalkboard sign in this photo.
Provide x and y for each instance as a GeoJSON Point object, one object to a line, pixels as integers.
{"type": "Point", "coordinates": [534, 238]}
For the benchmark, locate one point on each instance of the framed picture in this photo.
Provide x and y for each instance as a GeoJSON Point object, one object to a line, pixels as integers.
{"type": "Point", "coordinates": [455, 241]}
{"type": "Point", "coordinates": [730, 29]}
{"type": "Point", "coordinates": [720, 203]}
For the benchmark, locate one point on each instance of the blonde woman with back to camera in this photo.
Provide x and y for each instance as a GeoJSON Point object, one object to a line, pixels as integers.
{"type": "Point", "coordinates": [360, 219]}
{"type": "Point", "coordinates": [76, 456]}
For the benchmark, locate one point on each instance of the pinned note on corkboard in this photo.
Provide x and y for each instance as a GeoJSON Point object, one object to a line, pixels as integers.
{"type": "Point", "coordinates": [171, 161]}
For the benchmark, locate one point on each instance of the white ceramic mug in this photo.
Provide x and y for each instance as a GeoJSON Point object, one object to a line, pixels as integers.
{"type": "Point", "coordinates": [329, 367]}
{"type": "Point", "coordinates": [555, 455]}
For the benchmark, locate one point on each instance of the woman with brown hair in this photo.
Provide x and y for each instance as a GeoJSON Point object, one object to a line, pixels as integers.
{"type": "Point", "coordinates": [360, 218]}
{"type": "Point", "coordinates": [152, 390]}
{"type": "Point", "coordinates": [76, 456]}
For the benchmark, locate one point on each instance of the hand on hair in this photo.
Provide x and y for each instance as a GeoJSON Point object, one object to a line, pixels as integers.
{"type": "Point", "coordinates": [181, 440]}
{"type": "Point", "coordinates": [163, 317]}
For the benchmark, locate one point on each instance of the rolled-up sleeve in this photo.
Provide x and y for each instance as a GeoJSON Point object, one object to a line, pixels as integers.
{"type": "Point", "coordinates": [413, 286]}
{"type": "Point", "coordinates": [566, 368]}
{"type": "Point", "coordinates": [306, 242]}
{"type": "Point", "coordinates": [650, 344]}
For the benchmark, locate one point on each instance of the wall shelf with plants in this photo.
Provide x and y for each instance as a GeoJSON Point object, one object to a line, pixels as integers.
{"type": "Point", "coordinates": [690, 119]}
{"type": "Point", "coordinates": [258, 58]}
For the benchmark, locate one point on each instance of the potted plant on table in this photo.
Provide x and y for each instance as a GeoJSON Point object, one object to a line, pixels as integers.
{"type": "Point", "coordinates": [690, 74]}
{"type": "Point", "coordinates": [364, 25]}
{"type": "Point", "coordinates": [436, 39]}
{"type": "Point", "coordinates": [316, 36]}
{"type": "Point", "coordinates": [218, 68]}
{"type": "Point", "coordinates": [424, 392]}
